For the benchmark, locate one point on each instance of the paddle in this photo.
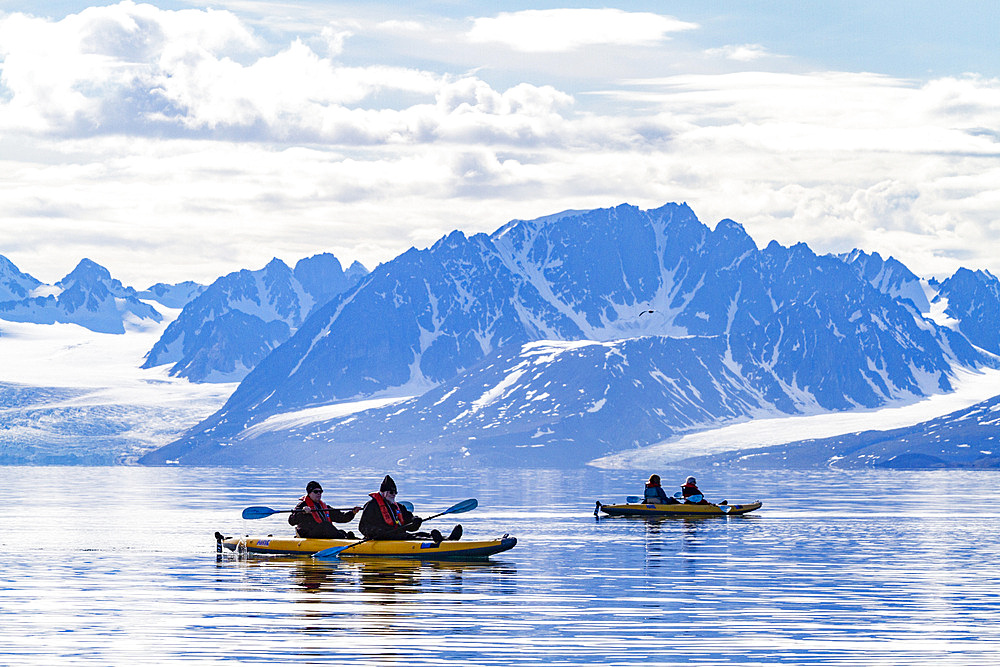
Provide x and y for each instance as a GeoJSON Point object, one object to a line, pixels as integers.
{"type": "Point", "coordinates": [333, 553]}
{"type": "Point", "coordinates": [696, 498]}
{"type": "Point", "coordinates": [263, 512]}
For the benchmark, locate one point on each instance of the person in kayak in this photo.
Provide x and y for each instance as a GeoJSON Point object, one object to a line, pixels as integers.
{"type": "Point", "coordinates": [313, 518]}
{"type": "Point", "coordinates": [690, 488]}
{"type": "Point", "coordinates": [654, 493]}
{"type": "Point", "coordinates": [385, 519]}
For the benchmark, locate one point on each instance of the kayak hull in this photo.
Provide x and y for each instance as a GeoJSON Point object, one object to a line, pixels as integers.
{"type": "Point", "coordinates": [680, 509]}
{"type": "Point", "coordinates": [412, 549]}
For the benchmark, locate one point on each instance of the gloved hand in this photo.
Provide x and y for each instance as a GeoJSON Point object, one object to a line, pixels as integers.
{"type": "Point", "coordinates": [414, 523]}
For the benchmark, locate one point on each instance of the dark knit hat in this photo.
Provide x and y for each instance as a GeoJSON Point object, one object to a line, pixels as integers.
{"type": "Point", "coordinates": [388, 485]}
{"type": "Point", "coordinates": [313, 486]}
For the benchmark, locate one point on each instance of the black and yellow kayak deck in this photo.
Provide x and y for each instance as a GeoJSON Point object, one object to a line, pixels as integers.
{"type": "Point", "coordinates": [678, 509]}
{"type": "Point", "coordinates": [413, 549]}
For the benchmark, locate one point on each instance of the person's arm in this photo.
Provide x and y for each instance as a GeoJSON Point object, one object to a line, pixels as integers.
{"type": "Point", "coordinates": [298, 516]}
{"type": "Point", "coordinates": [343, 516]}
{"type": "Point", "coordinates": [410, 522]}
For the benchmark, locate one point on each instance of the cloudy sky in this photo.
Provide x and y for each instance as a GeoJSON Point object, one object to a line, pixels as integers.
{"type": "Point", "coordinates": [184, 140]}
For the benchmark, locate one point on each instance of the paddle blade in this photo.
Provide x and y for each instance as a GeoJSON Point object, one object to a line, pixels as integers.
{"type": "Point", "coordinates": [407, 505]}
{"type": "Point", "coordinates": [333, 553]}
{"type": "Point", "coordinates": [634, 499]}
{"type": "Point", "coordinates": [679, 494]}
{"type": "Point", "coordinates": [696, 498]}
{"type": "Point", "coordinates": [258, 512]}
{"type": "Point", "coordinates": [726, 509]}
{"type": "Point", "coordinates": [464, 506]}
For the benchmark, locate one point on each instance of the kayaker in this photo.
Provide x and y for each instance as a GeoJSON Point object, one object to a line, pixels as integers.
{"type": "Point", "coordinates": [385, 519]}
{"type": "Point", "coordinates": [654, 493]}
{"type": "Point", "coordinates": [690, 488]}
{"type": "Point", "coordinates": [313, 518]}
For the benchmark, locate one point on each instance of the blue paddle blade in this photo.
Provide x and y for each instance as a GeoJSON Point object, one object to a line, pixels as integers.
{"type": "Point", "coordinates": [696, 498]}
{"type": "Point", "coordinates": [257, 512]}
{"type": "Point", "coordinates": [634, 499]}
{"type": "Point", "coordinates": [464, 506]}
{"type": "Point", "coordinates": [408, 506]}
{"type": "Point", "coordinates": [679, 494]}
{"type": "Point", "coordinates": [333, 553]}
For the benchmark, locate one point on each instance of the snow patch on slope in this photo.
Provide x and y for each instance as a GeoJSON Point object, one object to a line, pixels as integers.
{"type": "Point", "coordinates": [299, 418]}
{"type": "Point", "coordinates": [970, 388]}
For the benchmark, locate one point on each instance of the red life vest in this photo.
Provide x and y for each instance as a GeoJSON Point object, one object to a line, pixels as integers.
{"type": "Point", "coordinates": [392, 514]}
{"type": "Point", "coordinates": [317, 510]}
{"type": "Point", "coordinates": [690, 489]}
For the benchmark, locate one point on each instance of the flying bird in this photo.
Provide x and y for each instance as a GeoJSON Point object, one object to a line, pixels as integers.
{"type": "Point", "coordinates": [644, 312]}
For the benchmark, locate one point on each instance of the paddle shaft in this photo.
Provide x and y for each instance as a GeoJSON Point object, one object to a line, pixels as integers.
{"type": "Point", "coordinates": [264, 512]}
{"type": "Point", "coordinates": [324, 509]}
{"type": "Point", "coordinates": [639, 500]}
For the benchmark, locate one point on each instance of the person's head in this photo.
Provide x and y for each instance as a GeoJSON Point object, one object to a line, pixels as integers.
{"type": "Point", "coordinates": [654, 480]}
{"type": "Point", "coordinates": [314, 490]}
{"type": "Point", "coordinates": [690, 480]}
{"type": "Point", "coordinates": [388, 488]}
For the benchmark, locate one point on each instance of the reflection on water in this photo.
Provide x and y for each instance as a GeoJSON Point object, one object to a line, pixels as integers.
{"type": "Point", "coordinates": [863, 568]}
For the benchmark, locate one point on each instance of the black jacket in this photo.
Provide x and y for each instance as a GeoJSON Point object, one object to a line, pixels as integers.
{"type": "Point", "coordinates": [307, 526]}
{"type": "Point", "coordinates": [374, 526]}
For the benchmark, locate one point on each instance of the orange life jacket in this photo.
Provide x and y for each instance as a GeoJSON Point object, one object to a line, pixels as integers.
{"type": "Point", "coordinates": [392, 513]}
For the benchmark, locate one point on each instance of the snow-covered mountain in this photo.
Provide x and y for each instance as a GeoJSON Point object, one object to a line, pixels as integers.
{"type": "Point", "coordinates": [15, 285]}
{"type": "Point", "coordinates": [558, 339]}
{"type": "Point", "coordinates": [176, 295]}
{"type": "Point", "coordinates": [889, 276]}
{"type": "Point", "coordinates": [87, 296]}
{"type": "Point", "coordinates": [224, 331]}
{"type": "Point", "coordinates": [972, 300]}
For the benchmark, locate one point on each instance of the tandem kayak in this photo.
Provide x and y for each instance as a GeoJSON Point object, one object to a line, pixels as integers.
{"type": "Point", "coordinates": [415, 549]}
{"type": "Point", "coordinates": [679, 509]}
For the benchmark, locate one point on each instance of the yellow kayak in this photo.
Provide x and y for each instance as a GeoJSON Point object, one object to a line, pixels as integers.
{"type": "Point", "coordinates": [416, 549]}
{"type": "Point", "coordinates": [677, 509]}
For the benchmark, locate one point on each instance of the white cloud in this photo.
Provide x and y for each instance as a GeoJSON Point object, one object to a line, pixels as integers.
{"type": "Point", "coordinates": [739, 52]}
{"type": "Point", "coordinates": [553, 30]}
{"type": "Point", "coordinates": [179, 145]}
{"type": "Point", "coordinates": [336, 34]}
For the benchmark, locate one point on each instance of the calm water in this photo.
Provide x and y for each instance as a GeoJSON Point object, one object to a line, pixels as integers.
{"type": "Point", "coordinates": [117, 566]}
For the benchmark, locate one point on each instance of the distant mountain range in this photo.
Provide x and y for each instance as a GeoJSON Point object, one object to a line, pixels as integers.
{"type": "Point", "coordinates": [554, 341]}
{"type": "Point", "coordinates": [223, 329]}
{"type": "Point", "coordinates": [228, 327]}
{"type": "Point", "coordinates": [550, 342]}
{"type": "Point", "coordinates": [87, 296]}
